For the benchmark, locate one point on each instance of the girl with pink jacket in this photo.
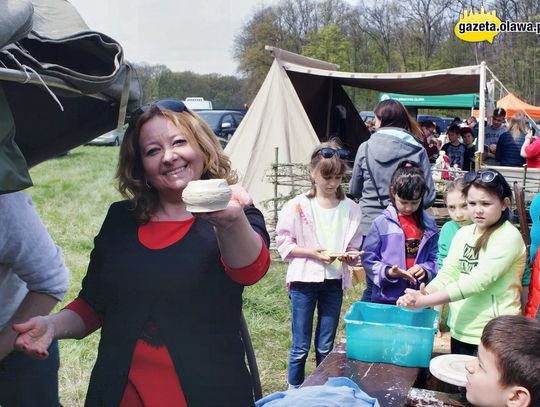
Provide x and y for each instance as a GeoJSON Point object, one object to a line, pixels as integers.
{"type": "Point", "coordinates": [319, 234]}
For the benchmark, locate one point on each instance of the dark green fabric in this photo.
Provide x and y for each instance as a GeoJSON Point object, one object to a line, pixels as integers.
{"type": "Point", "coordinates": [14, 174]}
{"type": "Point", "coordinates": [70, 59]}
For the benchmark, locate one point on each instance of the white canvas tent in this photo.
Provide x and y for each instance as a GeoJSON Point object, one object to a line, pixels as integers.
{"type": "Point", "coordinates": [302, 101]}
{"type": "Point", "coordinates": [276, 119]}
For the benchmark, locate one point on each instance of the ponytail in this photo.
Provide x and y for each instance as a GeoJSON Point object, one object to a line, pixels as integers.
{"type": "Point", "coordinates": [408, 183]}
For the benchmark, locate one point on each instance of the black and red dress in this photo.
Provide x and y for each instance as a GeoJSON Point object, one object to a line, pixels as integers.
{"type": "Point", "coordinates": [169, 311]}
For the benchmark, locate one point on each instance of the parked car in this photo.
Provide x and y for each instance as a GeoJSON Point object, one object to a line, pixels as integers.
{"type": "Point", "coordinates": [222, 122]}
{"type": "Point", "coordinates": [367, 114]}
{"type": "Point", "coordinates": [111, 138]}
{"type": "Point", "coordinates": [442, 122]}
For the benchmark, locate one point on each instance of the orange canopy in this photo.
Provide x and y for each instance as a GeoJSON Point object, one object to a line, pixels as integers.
{"type": "Point", "coordinates": [512, 104]}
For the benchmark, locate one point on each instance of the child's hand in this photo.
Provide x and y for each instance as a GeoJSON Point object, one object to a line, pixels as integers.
{"type": "Point", "coordinates": [411, 299]}
{"type": "Point", "coordinates": [396, 272]}
{"type": "Point", "coordinates": [319, 253]}
{"type": "Point", "coordinates": [417, 272]}
{"type": "Point", "coordinates": [351, 257]}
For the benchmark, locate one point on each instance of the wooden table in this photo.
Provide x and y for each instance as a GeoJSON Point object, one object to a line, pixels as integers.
{"type": "Point", "coordinates": [391, 385]}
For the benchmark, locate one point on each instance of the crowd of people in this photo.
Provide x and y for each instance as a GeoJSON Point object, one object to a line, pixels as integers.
{"type": "Point", "coordinates": [170, 312]}
{"type": "Point", "coordinates": [476, 264]}
{"type": "Point", "coordinates": [509, 142]}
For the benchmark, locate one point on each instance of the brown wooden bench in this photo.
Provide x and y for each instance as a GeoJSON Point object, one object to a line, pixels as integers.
{"type": "Point", "coordinates": [391, 385]}
{"type": "Point", "coordinates": [421, 397]}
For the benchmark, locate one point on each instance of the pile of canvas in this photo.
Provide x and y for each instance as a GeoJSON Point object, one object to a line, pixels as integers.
{"type": "Point", "coordinates": [61, 85]}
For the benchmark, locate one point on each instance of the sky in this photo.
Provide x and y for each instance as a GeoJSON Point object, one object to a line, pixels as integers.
{"type": "Point", "coordinates": [184, 35]}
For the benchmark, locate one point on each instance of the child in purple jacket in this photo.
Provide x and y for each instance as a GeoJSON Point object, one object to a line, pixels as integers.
{"type": "Point", "coordinates": [400, 249]}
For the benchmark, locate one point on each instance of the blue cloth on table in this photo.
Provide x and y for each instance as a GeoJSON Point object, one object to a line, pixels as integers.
{"type": "Point", "coordinates": [337, 391]}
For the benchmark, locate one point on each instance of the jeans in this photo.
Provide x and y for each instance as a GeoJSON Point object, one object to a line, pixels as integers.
{"type": "Point", "coordinates": [27, 382]}
{"type": "Point", "coordinates": [327, 297]}
{"type": "Point", "coordinates": [366, 295]}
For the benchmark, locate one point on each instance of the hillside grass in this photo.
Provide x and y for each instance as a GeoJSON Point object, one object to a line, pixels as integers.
{"type": "Point", "coordinates": [72, 194]}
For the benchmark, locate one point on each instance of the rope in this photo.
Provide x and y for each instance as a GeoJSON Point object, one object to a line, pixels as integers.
{"type": "Point", "coordinates": [25, 68]}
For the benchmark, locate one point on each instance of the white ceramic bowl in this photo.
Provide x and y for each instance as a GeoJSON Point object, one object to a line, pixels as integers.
{"type": "Point", "coordinates": [207, 195]}
{"type": "Point", "coordinates": [450, 368]}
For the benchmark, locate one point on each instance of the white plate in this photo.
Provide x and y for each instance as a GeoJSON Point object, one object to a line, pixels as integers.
{"type": "Point", "coordinates": [450, 368]}
{"type": "Point", "coordinates": [352, 253]}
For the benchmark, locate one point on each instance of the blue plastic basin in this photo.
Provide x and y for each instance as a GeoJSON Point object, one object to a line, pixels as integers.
{"type": "Point", "coordinates": [390, 334]}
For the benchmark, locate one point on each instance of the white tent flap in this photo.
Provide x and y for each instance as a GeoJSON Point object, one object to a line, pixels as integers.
{"type": "Point", "coordinates": [275, 119]}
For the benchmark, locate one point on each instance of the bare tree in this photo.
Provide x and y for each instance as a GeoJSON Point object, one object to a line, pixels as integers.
{"type": "Point", "coordinates": [426, 19]}
{"type": "Point", "coordinates": [253, 60]}
{"type": "Point", "coordinates": [297, 18]}
{"type": "Point", "coordinates": [517, 54]}
{"type": "Point", "coordinates": [149, 76]}
{"type": "Point", "coordinates": [379, 22]}
{"type": "Point", "coordinates": [393, 35]}
{"type": "Point", "coordinates": [333, 12]}
{"type": "Point", "coordinates": [362, 46]}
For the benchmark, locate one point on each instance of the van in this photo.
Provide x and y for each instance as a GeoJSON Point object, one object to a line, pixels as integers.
{"type": "Point", "coordinates": [198, 103]}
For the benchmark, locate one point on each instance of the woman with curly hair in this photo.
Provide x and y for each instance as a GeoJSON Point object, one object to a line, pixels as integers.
{"type": "Point", "coordinates": [165, 286]}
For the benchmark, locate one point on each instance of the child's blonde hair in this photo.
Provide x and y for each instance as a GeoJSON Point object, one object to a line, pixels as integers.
{"type": "Point", "coordinates": [328, 167]}
{"type": "Point", "coordinates": [457, 184]}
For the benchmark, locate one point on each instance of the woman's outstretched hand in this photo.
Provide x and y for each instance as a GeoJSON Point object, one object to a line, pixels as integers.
{"type": "Point", "coordinates": [234, 209]}
{"type": "Point", "coordinates": [35, 336]}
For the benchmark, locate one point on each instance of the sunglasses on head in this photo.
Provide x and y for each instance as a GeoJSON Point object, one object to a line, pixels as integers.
{"type": "Point", "coordinates": [485, 176]}
{"type": "Point", "coordinates": [328, 152]}
{"type": "Point", "coordinates": [174, 105]}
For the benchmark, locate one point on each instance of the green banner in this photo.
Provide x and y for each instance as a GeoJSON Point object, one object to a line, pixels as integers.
{"type": "Point", "coordinates": [463, 100]}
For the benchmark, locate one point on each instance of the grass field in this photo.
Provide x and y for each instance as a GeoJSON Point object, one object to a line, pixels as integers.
{"type": "Point", "coordinates": [72, 194]}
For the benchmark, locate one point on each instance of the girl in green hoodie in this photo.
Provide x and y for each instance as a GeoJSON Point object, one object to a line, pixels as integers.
{"type": "Point", "coordinates": [481, 277]}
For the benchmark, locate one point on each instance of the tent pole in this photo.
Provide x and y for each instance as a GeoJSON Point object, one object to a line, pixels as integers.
{"type": "Point", "coordinates": [276, 170]}
{"type": "Point", "coordinates": [481, 116]}
{"type": "Point", "coordinates": [329, 108]}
